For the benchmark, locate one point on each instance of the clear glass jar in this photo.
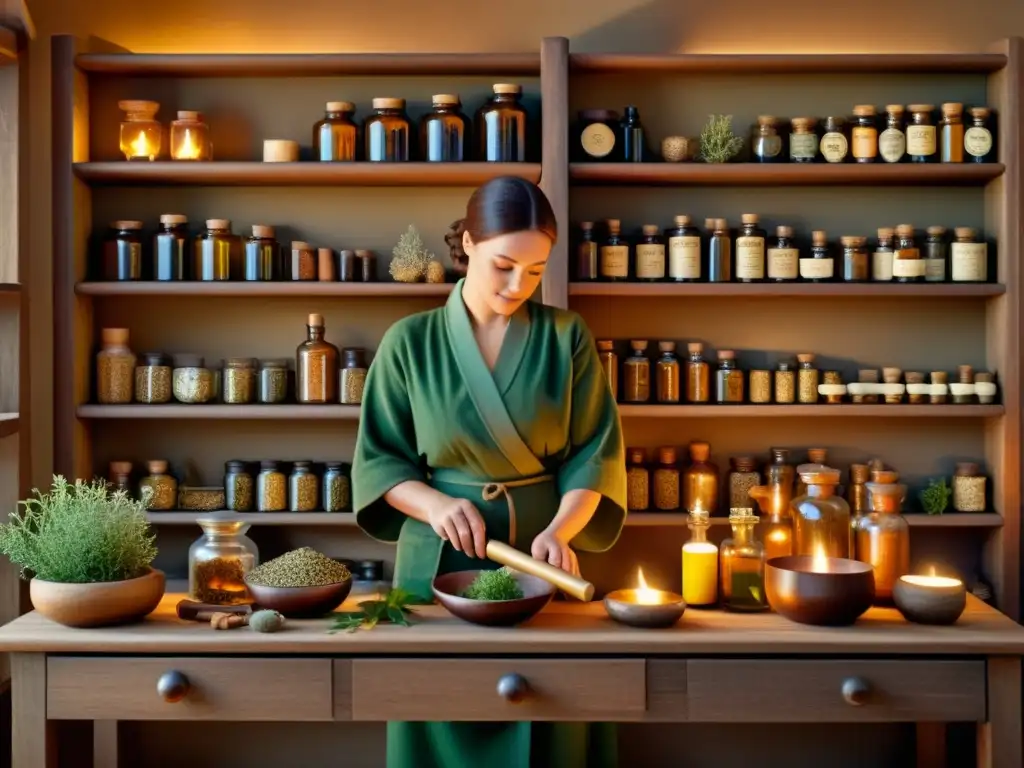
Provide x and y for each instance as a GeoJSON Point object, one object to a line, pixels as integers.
{"type": "Point", "coordinates": [192, 380]}
{"type": "Point", "coordinates": [951, 133]}
{"type": "Point", "coordinates": [302, 260]}
{"type": "Point", "coordinates": [122, 252]}
{"type": "Point", "coordinates": [303, 488]}
{"type": "Point", "coordinates": [238, 381]}
{"type": "Point", "coordinates": [808, 379]}
{"type": "Point", "coordinates": [936, 256]}
{"type": "Point", "coordinates": [271, 488]}
{"type": "Point", "coordinates": [153, 378]}
{"type": "Point", "coordinates": [638, 481]}
{"type": "Point", "coordinates": [803, 141]}
{"type": "Point", "coordinates": [119, 476]}
{"type": "Point", "coordinates": [978, 142]}
{"type": "Point", "coordinates": [337, 487]}
{"type": "Point", "coordinates": [775, 526]}
{"type": "Point", "coordinates": [273, 383]}
{"type": "Point", "coordinates": [821, 519]}
{"type": "Point", "coordinates": [443, 131]}
{"type": "Point", "coordinates": [785, 383]}
{"type": "Point", "coordinates": [698, 374]}
{"type": "Point", "coordinates": [780, 476]}
{"type": "Point", "coordinates": [217, 252]}
{"type": "Point", "coordinates": [668, 389]}
{"type": "Point", "coordinates": [219, 560]}
{"type": "Point", "coordinates": [141, 132]}
{"type": "Point", "coordinates": [882, 537]}
{"type": "Point", "coordinates": [882, 258]}
{"type": "Point", "coordinates": [190, 137]}
{"type": "Point", "coordinates": [855, 259]}
{"type": "Point", "coordinates": [666, 480]}
{"type": "Point", "coordinates": [334, 137]}
{"type": "Point", "coordinates": [969, 488]}
{"type": "Point", "coordinates": [864, 134]}
{"type": "Point", "coordinates": [158, 490]}
{"type": "Point", "coordinates": [922, 145]}
{"type": "Point", "coordinates": [609, 364]}
{"type": "Point", "coordinates": [238, 487]}
{"type": "Point", "coordinates": [700, 480]}
{"type": "Point", "coordinates": [968, 257]}
{"type": "Point", "coordinates": [170, 248]}
{"type": "Point", "coordinates": [834, 145]}
{"type": "Point", "coordinates": [115, 368]}
{"type": "Point", "coordinates": [501, 126]}
{"type": "Point", "coordinates": [353, 375]}
{"type": "Point", "coordinates": [907, 264]}
{"type": "Point", "coordinates": [728, 378]}
{"type": "Point", "coordinates": [636, 372]}
{"type": "Point", "coordinates": [743, 476]}
{"type": "Point", "coordinates": [263, 259]}
{"type": "Point", "coordinates": [892, 141]}
{"type": "Point", "coordinates": [386, 132]}
{"type": "Point", "coordinates": [742, 567]}
{"type": "Point", "coordinates": [766, 144]}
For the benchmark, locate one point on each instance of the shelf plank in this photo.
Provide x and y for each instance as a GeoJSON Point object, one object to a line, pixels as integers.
{"type": "Point", "coordinates": [181, 517]}
{"type": "Point", "coordinates": [263, 290]}
{"type": "Point", "coordinates": [307, 64]}
{"type": "Point", "coordinates": [222, 412]}
{"type": "Point", "coordinates": [786, 174]}
{"type": "Point", "coordinates": [301, 174]}
{"type": "Point", "coordinates": [778, 64]}
{"type": "Point", "coordinates": [9, 424]}
{"type": "Point", "coordinates": [830, 290]}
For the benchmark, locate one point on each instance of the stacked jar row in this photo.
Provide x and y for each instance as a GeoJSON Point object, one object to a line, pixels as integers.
{"type": "Point", "coordinates": [800, 381]}
{"type": "Point", "coordinates": [685, 254]}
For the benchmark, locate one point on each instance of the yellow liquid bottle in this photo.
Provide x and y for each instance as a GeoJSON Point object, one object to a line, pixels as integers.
{"type": "Point", "coordinates": [700, 564]}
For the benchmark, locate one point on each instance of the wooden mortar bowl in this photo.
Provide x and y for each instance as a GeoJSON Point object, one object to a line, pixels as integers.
{"type": "Point", "coordinates": [448, 590]}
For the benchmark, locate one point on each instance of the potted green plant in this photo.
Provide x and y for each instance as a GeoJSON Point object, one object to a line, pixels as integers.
{"type": "Point", "coordinates": [89, 553]}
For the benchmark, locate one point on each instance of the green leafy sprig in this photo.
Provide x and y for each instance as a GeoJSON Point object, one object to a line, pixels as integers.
{"type": "Point", "coordinates": [935, 498]}
{"type": "Point", "coordinates": [394, 608]}
{"type": "Point", "coordinates": [500, 584]}
{"type": "Point", "coordinates": [718, 144]}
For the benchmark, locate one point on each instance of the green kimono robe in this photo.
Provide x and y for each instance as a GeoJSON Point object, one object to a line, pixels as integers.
{"type": "Point", "coordinates": [542, 423]}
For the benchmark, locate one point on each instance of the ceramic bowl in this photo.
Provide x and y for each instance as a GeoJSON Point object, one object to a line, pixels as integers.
{"type": "Point", "coordinates": [622, 606]}
{"type": "Point", "coordinates": [930, 603]}
{"type": "Point", "coordinates": [448, 590]}
{"type": "Point", "coordinates": [832, 599]}
{"type": "Point", "coordinates": [99, 604]}
{"type": "Point", "coordinates": [301, 602]}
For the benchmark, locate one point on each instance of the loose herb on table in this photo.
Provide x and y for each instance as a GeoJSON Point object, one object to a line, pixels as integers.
{"type": "Point", "coordinates": [394, 608]}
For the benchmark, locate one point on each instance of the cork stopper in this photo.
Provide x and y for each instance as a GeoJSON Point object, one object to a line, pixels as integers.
{"type": "Point", "coordinates": [965, 233]}
{"type": "Point", "coordinates": [187, 114]}
{"type": "Point", "coordinates": [749, 218]}
{"type": "Point", "coordinates": [965, 374]}
{"type": "Point", "coordinates": [667, 346]}
{"type": "Point", "coordinates": [114, 335]}
{"type": "Point", "coordinates": [984, 377]}
{"type": "Point", "coordinates": [806, 358]}
{"type": "Point", "coordinates": [387, 102]}
{"type": "Point", "coordinates": [905, 230]}
{"type": "Point", "coordinates": [913, 377]}
{"type": "Point", "coordinates": [817, 455]}
{"type": "Point", "coordinates": [614, 226]}
{"type": "Point", "coordinates": [970, 468]}
{"type": "Point", "coordinates": [700, 451]}
{"type": "Point", "coordinates": [667, 455]}
{"type": "Point", "coordinates": [695, 348]}
{"type": "Point", "coordinates": [884, 233]}
{"type": "Point", "coordinates": [894, 109]}
{"type": "Point", "coordinates": [638, 345]}
{"type": "Point", "coordinates": [120, 467]}
{"type": "Point", "coordinates": [587, 226]}
{"type": "Point", "coordinates": [921, 107]}
{"type": "Point", "coordinates": [876, 464]}
{"type": "Point", "coordinates": [301, 245]}
{"type": "Point", "coordinates": [743, 463]}
{"type": "Point", "coordinates": [939, 377]}
{"type": "Point", "coordinates": [218, 223]}
{"type": "Point", "coordinates": [682, 220]}
{"type": "Point", "coordinates": [315, 321]}
{"type": "Point", "coordinates": [818, 474]}
{"type": "Point", "coordinates": [128, 224]}
{"type": "Point", "coordinates": [936, 231]}
{"type": "Point", "coordinates": [605, 345]}
{"type": "Point", "coordinates": [650, 230]}
{"type": "Point", "coordinates": [262, 230]}
{"type": "Point", "coordinates": [140, 107]}
{"type": "Point", "coordinates": [710, 223]}
{"type": "Point", "coordinates": [173, 219]}
{"type": "Point", "coordinates": [445, 100]}
{"type": "Point", "coordinates": [726, 354]}
{"type": "Point", "coordinates": [783, 231]}
{"type": "Point", "coordinates": [892, 375]}
{"type": "Point", "coordinates": [721, 224]}
{"type": "Point", "coordinates": [853, 241]}
{"type": "Point", "coordinates": [867, 376]}
{"type": "Point", "coordinates": [507, 88]}
{"type": "Point", "coordinates": [362, 253]}
{"type": "Point", "coordinates": [864, 110]}
{"type": "Point", "coordinates": [801, 124]}
{"type": "Point", "coordinates": [819, 237]}
{"type": "Point", "coordinates": [340, 106]}
{"type": "Point", "coordinates": [637, 455]}
{"type": "Point", "coordinates": [766, 120]}
{"type": "Point", "coordinates": [859, 473]}
{"type": "Point", "coordinates": [980, 112]}
{"type": "Point", "coordinates": [952, 108]}
{"type": "Point", "coordinates": [156, 466]}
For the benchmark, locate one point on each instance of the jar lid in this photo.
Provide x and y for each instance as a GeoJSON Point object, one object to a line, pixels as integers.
{"type": "Point", "coordinates": [984, 377]}
{"type": "Point", "coordinates": [896, 109]}
{"type": "Point", "coordinates": [681, 220]}
{"type": "Point", "coordinates": [783, 231]}
{"type": "Point", "coordinates": [805, 357]}
{"type": "Point", "coordinates": [864, 110]}
{"type": "Point", "coordinates": [157, 466]}
{"type": "Point", "coordinates": [188, 361]}
{"type": "Point", "coordinates": [638, 345]}
{"type": "Point", "coordinates": [914, 377]}
{"type": "Point", "coordinates": [726, 354]}
{"type": "Point", "coordinates": [667, 455]}
{"type": "Point", "coordinates": [710, 223]}
{"type": "Point", "coordinates": [605, 345]}
{"type": "Point", "coordinates": [818, 474]}
{"type": "Point", "coordinates": [235, 465]}
{"type": "Point", "coordinates": [785, 366]}
{"type": "Point", "coordinates": [667, 346]}
{"type": "Point", "coordinates": [126, 224]}
{"type": "Point", "coordinates": [507, 88]}
{"type": "Point", "coordinates": [694, 347]}
{"type": "Point", "coordinates": [980, 111]}
{"type": "Point", "coordinates": [114, 335]}
{"type": "Point", "coordinates": [387, 102]}
{"type": "Point", "coordinates": [885, 232]}
{"type": "Point", "coordinates": [315, 321]}
{"type": "Point", "coordinates": [262, 230]}
{"type": "Point", "coordinates": [173, 218]}
{"type": "Point", "coordinates": [905, 230]}
{"type": "Point", "coordinates": [939, 377]}
{"type": "Point", "coordinates": [120, 467]}
{"type": "Point", "coordinates": [650, 229]}
{"type": "Point", "coordinates": [271, 464]}
{"type": "Point", "coordinates": [223, 522]}
{"type": "Point", "coordinates": [334, 465]}
{"type": "Point", "coordinates": [743, 463]}
{"type": "Point", "coordinates": [921, 107]}
{"type": "Point", "coordinates": [274, 363]}
{"type": "Point", "coordinates": [884, 476]}
{"type": "Point", "coordinates": [859, 473]}
{"type": "Point", "coordinates": [766, 120]}
{"type": "Point", "coordinates": [803, 123]}
{"type": "Point", "coordinates": [853, 241]}
{"type": "Point", "coordinates": [240, 362]}
{"type": "Point", "coordinates": [613, 224]}
{"type": "Point", "coordinates": [817, 455]}
{"type": "Point", "coordinates": [598, 115]}
{"type": "Point", "coordinates": [721, 224]}
{"type": "Point", "coordinates": [218, 223]}
{"type": "Point", "coordinates": [340, 106]}
{"type": "Point", "coordinates": [637, 455]}
{"type": "Point", "coordinates": [302, 464]}
{"type": "Point", "coordinates": [354, 357]}
{"type": "Point", "coordinates": [445, 100]}
{"type": "Point", "coordinates": [952, 108]}
{"type": "Point", "coordinates": [963, 468]}
{"type": "Point", "coordinates": [968, 232]}
{"type": "Point", "coordinates": [301, 245]}
{"type": "Point", "coordinates": [749, 218]}
{"type": "Point", "coordinates": [189, 115]}
{"type": "Point", "coordinates": [819, 237]}
{"type": "Point", "coordinates": [936, 231]}
{"type": "Point", "coordinates": [155, 359]}
{"type": "Point", "coordinates": [141, 106]}
{"type": "Point", "coordinates": [699, 450]}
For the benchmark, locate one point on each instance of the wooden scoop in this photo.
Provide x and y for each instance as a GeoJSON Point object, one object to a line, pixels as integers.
{"type": "Point", "coordinates": [502, 553]}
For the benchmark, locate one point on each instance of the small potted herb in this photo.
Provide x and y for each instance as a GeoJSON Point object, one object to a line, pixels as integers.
{"type": "Point", "coordinates": [935, 498]}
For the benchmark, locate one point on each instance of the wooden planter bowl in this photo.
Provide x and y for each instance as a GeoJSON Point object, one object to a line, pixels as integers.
{"type": "Point", "coordinates": [100, 604]}
{"type": "Point", "coordinates": [301, 602]}
{"type": "Point", "coordinates": [448, 590]}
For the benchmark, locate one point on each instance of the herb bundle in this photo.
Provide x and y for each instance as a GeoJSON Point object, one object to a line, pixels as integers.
{"type": "Point", "coordinates": [394, 608]}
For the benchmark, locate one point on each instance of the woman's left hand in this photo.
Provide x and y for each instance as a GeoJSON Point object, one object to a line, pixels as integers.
{"type": "Point", "coordinates": [550, 548]}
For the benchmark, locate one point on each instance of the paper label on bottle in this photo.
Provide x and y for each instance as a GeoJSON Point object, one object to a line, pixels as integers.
{"type": "Point", "coordinates": [615, 261]}
{"type": "Point", "coordinates": [684, 257]}
{"type": "Point", "coordinates": [767, 146]}
{"type": "Point", "coordinates": [816, 269]}
{"type": "Point", "coordinates": [834, 147]}
{"type": "Point", "coordinates": [892, 145]}
{"type": "Point", "coordinates": [598, 140]}
{"type": "Point", "coordinates": [749, 258]}
{"type": "Point", "coordinates": [907, 262]}
{"type": "Point", "coordinates": [969, 262]}
{"type": "Point", "coordinates": [977, 141]}
{"type": "Point", "coordinates": [865, 141]}
{"type": "Point", "coordinates": [650, 260]}
{"type": "Point", "coordinates": [783, 263]}
{"type": "Point", "coordinates": [935, 270]}
{"type": "Point", "coordinates": [881, 266]}
{"type": "Point", "coordinates": [921, 140]}
{"type": "Point", "coordinates": [803, 146]}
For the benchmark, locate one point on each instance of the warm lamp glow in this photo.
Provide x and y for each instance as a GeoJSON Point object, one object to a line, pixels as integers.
{"type": "Point", "coordinates": [819, 561]}
{"type": "Point", "coordinates": [188, 150]}
{"type": "Point", "coordinates": [140, 146]}
{"type": "Point", "coordinates": [931, 581]}
{"type": "Point", "coordinates": [778, 536]}
{"type": "Point", "coordinates": [644, 594]}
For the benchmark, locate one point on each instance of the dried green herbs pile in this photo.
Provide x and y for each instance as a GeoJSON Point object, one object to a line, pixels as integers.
{"type": "Point", "coordinates": [303, 567]}
{"type": "Point", "coordinates": [494, 585]}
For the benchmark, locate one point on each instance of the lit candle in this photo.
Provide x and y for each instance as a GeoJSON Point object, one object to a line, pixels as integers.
{"type": "Point", "coordinates": [930, 599]}
{"type": "Point", "coordinates": [700, 563]}
{"type": "Point", "coordinates": [644, 594]}
{"type": "Point", "coordinates": [188, 150]}
{"type": "Point", "coordinates": [140, 146]}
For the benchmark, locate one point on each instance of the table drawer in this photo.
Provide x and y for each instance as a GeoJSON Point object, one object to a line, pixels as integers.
{"type": "Point", "coordinates": [498, 689]}
{"type": "Point", "coordinates": [113, 688]}
{"type": "Point", "coordinates": [835, 691]}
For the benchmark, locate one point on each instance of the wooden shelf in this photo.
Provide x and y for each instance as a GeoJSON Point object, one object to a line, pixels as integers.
{"type": "Point", "coordinates": [178, 517]}
{"type": "Point", "coordinates": [9, 424]}
{"type": "Point", "coordinates": [301, 174]}
{"type": "Point", "coordinates": [263, 290]}
{"type": "Point", "coordinates": [222, 412]}
{"type": "Point", "coordinates": [825, 290]}
{"type": "Point", "coordinates": [916, 520]}
{"type": "Point", "coordinates": [786, 174]}
{"type": "Point", "coordinates": [790, 64]}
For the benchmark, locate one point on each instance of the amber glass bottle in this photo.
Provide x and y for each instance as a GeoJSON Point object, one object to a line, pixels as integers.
{"type": "Point", "coordinates": [586, 253]}
{"type": "Point", "coordinates": [636, 374]}
{"type": "Point", "coordinates": [864, 134]}
{"type": "Point", "coordinates": [443, 131]}
{"type": "Point", "coordinates": [316, 366]}
{"type": "Point", "coordinates": [610, 364]}
{"type": "Point", "coordinates": [698, 375]}
{"type": "Point", "coordinates": [700, 480]}
{"type": "Point", "coordinates": [501, 126]}
{"type": "Point", "coordinates": [667, 373]}
{"type": "Point", "coordinates": [821, 519]}
{"type": "Point", "coordinates": [386, 131]}
{"type": "Point", "coordinates": [951, 133]}
{"type": "Point", "coordinates": [921, 140]}
{"type": "Point", "coordinates": [883, 537]}
{"type": "Point", "coordinates": [614, 254]}
{"type": "Point", "coordinates": [334, 137]}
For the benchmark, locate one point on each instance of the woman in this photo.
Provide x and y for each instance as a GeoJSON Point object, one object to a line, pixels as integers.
{"type": "Point", "coordinates": [491, 418]}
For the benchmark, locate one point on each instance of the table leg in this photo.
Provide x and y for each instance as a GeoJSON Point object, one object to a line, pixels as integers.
{"type": "Point", "coordinates": [931, 745]}
{"type": "Point", "coordinates": [33, 737]}
{"type": "Point", "coordinates": [999, 739]}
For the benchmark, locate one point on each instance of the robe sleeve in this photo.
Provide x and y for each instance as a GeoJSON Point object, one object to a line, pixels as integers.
{"type": "Point", "coordinates": [385, 453]}
{"type": "Point", "coordinates": [596, 459]}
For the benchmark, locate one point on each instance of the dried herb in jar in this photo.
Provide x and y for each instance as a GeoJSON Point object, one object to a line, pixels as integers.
{"type": "Point", "coordinates": [158, 490]}
{"type": "Point", "coordinates": [337, 487]}
{"type": "Point", "coordinates": [220, 581]}
{"type": "Point", "coordinates": [303, 488]}
{"type": "Point", "coordinates": [638, 481]}
{"type": "Point", "coordinates": [666, 480]}
{"type": "Point", "coordinates": [271, 488]}
{"type": "Point", "coordinates": [637, 374]}
{"type": "Point", "coordinates": [238, 487]}
{"type": "Point", "coordinates": [153, 378]}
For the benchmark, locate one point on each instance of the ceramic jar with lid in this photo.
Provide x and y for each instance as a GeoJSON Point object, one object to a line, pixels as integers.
{"type": "Point", "coordinates": [386, 131]}
{"type": "Point", "coordinates": [192, 381]}
{"type": "Point", "coordinates": [158, 490]}
{"type": "Point", "coordinates": [153, 378]}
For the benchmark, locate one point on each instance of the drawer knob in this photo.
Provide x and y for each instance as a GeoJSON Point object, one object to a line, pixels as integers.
{"type": "Point", "coordinates": [856, 691]}
{"type": "Point", "coordinates": [173, 686]}
{"type": "Point", "coordinates": [512, 688]}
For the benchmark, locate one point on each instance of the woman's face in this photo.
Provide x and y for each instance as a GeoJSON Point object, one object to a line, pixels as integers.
{"type": "Point", "coordinates": [505, 270]}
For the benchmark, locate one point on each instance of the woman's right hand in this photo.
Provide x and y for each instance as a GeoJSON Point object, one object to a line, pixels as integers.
{"type": "Point", "coordinates": [459, 522]}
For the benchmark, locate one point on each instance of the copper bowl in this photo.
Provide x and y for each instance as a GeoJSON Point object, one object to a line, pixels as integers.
{"type": "Point", "coordinates": [301, 602]}
{"type": "Point", "coordinates": [448, 590]}
{"type": "Point", "coordinates": [833, 599]}
{"type": "Point", "coordinates": [622, 606]}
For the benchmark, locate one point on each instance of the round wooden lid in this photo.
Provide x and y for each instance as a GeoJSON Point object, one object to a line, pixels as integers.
{"type": "Point", "coordinates": [507, 88]}
{"type": "Point", "coordinates": [173, 218]}
{"type": "Point", "coordinates": [218, 223]}
{"type": "Point", "coordinates": [340, 106]}
{"type": "Point", "coordinates": [262, 230]}
{"type": "Point", "coordinates": [387, 102]}
{"type": "Point", "coordinates": [126, 224]}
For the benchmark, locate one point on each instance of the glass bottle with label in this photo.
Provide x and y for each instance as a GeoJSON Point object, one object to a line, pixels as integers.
{"type": "Point", "coordinates": [922, 145]}
{"type": "Point", "coordinates": [742, 565]}
{"type": "Point", "coordinates": [728, 378]}
{"type": "Point", "coordinates": [170, 248]}
{"type": "Point", "coordinates": [501, 126]}
{"type": "Point", "coordinates": [631, 133]}
{"type": "Point", "coordinates": [700, 480]}
{"type": "Point", "coordinates": [766, 144]}
{"type": "Point", "coordinates": [386, 131]}
{"type": "Point", "coordinates": [636, 374]}
{"type": "Point", "coordinates": [650, 255]}
{"type": "Point", "coordinates": [610, 364]}
{"type": "Point", "coordinates": [615, 254]}
{"type": "Point", "coordinates": [586, 253]}
{"type": "Point", "coordinates": [783, 257]}
{"type": "Point", "coordinates": [750, 251]}
{"type": "Point", "coordinates": [720, 254]}
{"type": "Point", "coordinates": [855, 259]}
{"type": "Point", "coordinates": [334, 137]}
{"type": "Point", "coordinates": [597, 142]}
{"type": "Point", "coordinates": [834, 144]}
{"type": "Point", "coordinates": [668, 390]}
{"type": "Point", "coordinates": [951, 133]}
{"type": "Point", "coordinates": [820, 266]}
{"type": "Point", "coordinates": [907, 264]}
{"type": "Point", "coordinates": [443, 131]}
{"type": "Point", "coordinates": [217, 252]}
{"type": "Point", "coordinates": [969, 257]}
{"type": "Point", "coordinates": [683, 251]}
{"type": "Point", "coordinates": [803, 141]}
{"type": "Point", "coordinates": [892, 141]}
{"type": "Point", "coordinates": [978, 144]}
{"type": "Point", "coordinates": [881, 259]}
{"type": "Point", "coordinates": [936, 256]}
{"type": "Point", "coordinates": [864, 134]}
{"type": "Point", "coordinates": [122, 252]}
{"type": "Point", "coordinates": [698, 374]}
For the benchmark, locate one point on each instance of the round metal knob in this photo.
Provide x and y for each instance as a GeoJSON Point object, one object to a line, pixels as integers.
{"type": "Point", "coordinates": [512, 688]}
{"type": "Point", "coordinates": [856, 691]}
{"type": "Point", "coordinates": [173, 686]}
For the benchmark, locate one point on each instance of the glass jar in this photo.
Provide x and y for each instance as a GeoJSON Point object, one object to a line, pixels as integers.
{"type": "Point", "coordinates": [779, 477]}
{"type": "Point", "coordinates": [881, 259]}
{"type": "Point", "coordinates": [614, 254]}
{"type": "Point", "coordinates": [263, 260]}
{"type": "Point", "coordinates": [700, 564]}
{"type": "Point", "coordinates": [684, 261]}
{"type": "Point", "coordinates": [192, 381]}
{"type": "Point", "coordinates": [153, 378]}
{"type": "Point", "coordinates": [855, 259]}
{"type": "Point", "coordinates": [750, 256]}
{"type": "Point", "coordinates": [334, 136]}
{"type": "Point", "coordinates": [119, 477]}
{"type": "Point", "coordinates": [783, 257]}
{"type": "Point", "coordinates": [834, 144]}
{"type": "Point", "coordinates": [637, 374]}
{"type": "Point", "coordinates": [883, 538]}
{"type": "Point", "coordinates": [814, 456]}
{"type": "Point", "coordinates": [273, 382]}
{"type": "Point", "coordinates": [353, 375]}
{"type": "Point", "coordinates": [122, 252]}
{"type": "Point", "coordinates": [700, 480]}
{"type": "Point", "coordinates": [501, 126]}
{"type": "Point", "coordinates": [936, 256]}
{"type": "Point", "coordinates": [968, 257]}
{"type": "Point", "coordinates": [728, 378]}
{"type": "Point", "coordinates": [271, 488]}
{"type": "Point", "coordinates": [238, 487]}
{"type": "Point", "coordinates": [316, 366]}
{"type": "Point", "coordinates": [337, 487]}
{"type": "Point", "coordinates": [892, 141]}
{"type": "Point", "coordinates": [638, 481]}
{"type": "Point", "coordinates": [921, 140]}
{"type": "Point", "coordinates": [190, 137]}
{"type": "Point", "coordinates": [820, 266]}
{"type": "Point", "coordinates": [301, 262]}
{"type": "Point", "coordinates": [303, 488]}
{"type": "Point", "coordinates": [347, 265]}
{"type": "Point", "coordinates": [776, 528]}
{"type": "Point", "coordinates": [666, 480]}
{"type": "Point", "coordinates": [907, 264]}
{"type": "Point", "coordinates": [238, 381]}
{"type": "Point", "coordinates": [443, 130]}
{"type": "Point", "coordinates": [217, 252]}
{"type": "Point", "coordinates": [596, 131]}
{"type": "Point", "coordinates": [785, 384]}
{"type": "Point", "coordinates": [587, 254]}
{"type": "Point", "coordinates": [760, 386]}
{"type": "Point", "coordinates": [742, 571]}
{"type": "Point", "coordinates": [821, 519]}
{"type": "Point", "coordinates": [698, 374]}
{"type": "Point", "coordinates": [170, 248]}
{"type": "Point", "coordinates": [386, 131]}
{"type": "Point", "coordinates": [668, 373]}
{"type": "Point", "coordinates": [650, 255]}
{"type": "Point", "coordinates": [158, 490]}
{"type": "Point", "coordinates": [951, 133]}
{"type": "Point", "coordinates": [743, 476]}
{"type": "Point", "coordinates": [141, 132]}
{"type": "Point", "coordinates": [115, 368]}
{"type": "Point", "coordinates": [803, 141]}
{"type": "Point", "coordinates": [969, 488]}
{"type": "Point", "coordinates": [808, 378]}
{"type": "Point", "coordinates": [856, 492]}
{"type": "Point", "coordinates": [978, 144]}
{"type": "Point", "coordinates": [610, 364]}
{"type": "Point", "coordinates": [219, 560]}
{"type": "Point", "coordinates": [864, 134]}
{"type": "Point", "coordinates": [766, 144]}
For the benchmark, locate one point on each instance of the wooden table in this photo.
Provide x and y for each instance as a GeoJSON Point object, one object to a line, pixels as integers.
{"type": "Point", "coordinates": [569, 663]}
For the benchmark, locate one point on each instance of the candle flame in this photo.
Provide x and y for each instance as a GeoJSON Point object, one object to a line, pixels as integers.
{"type": "Point", "coordinates": [644, 594]}
{"type": "Point", "coordinates": [140, 147]}
{"type": "Point", "coordinates": [778, 536]}
{"type": "Point", "coordinates": [819, 561]}
{"type": "Point", "coordinates": [188, 150]}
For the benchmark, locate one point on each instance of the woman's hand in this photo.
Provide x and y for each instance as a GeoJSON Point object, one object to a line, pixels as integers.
{"type": "Point", "coordinates": [459, 522]}
{"type": "Point", "coordinates": [553, 549]}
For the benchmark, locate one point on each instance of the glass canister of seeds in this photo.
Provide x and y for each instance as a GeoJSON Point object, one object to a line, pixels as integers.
{"type": "Point", "coordinates": [153, 378]}
{"type": "Point", "coordinates": [820, 266]}
{"type": "Point", "coordinates": [614, 253]}
{"type": "Point", "coordinates": [881, 259]}
{"type": "Point", "coordinates": [698, 374]}
{"type": "Point", "coordinates": [217, 253]}
{"type": "Point", "coordinates": [855, 259]}
{"type": "Point", "coordinates": [743, 476]}
{"type": "Point", "coordinates": [864, 134]}
{"type": "Point", "coordinates": [263, 260]}
{"type": "Point", "coordinates": [667, 367]}
{"type": "Point", "coordinates": [115, 368]}
{"type": "Point", "coordinates": [760, 387]}
{"type": "Point", "coordinates": [638, 481]}
{"type": "Point", "coordinates": [302, 261]}
{"type": "Point", "coordinates": [650, 255]}
{"type": "Point", "coordinates": [636, 372]}
{"type": "Point", "coordinates": [728, 378]}
{"type": "Point", "coordinates": [337, 487]}
{"type": "Point", "coordinates": [968, 257]}
{"type": "Point", "coordinates": [219, 560]}
{"type": "Point", "coordinates": [272, 387]}
{"type": "Point", "coordinates": [785, 383]}
{"type": "Point", "coordinates": [808, 378]}
{"type": "Point", "coordinates": [238, 381]}
{"type": "Point", "coordinates": [353, 375]}
{"type": "Point", "coordinates": [271, 487]}
{"type": "Point", "coordinates": [170, 248]}
{"type": "Point", "coordinates": [978, 144]}
{"type": "Point", "coordinates": [238, 487]}
{"type": "Point", "coordinates": [832, 379]}
{"type": "Point", "coordinates": [610, 364]}
{"type": "Point", "coordinates": [666, 480]}
{"type": "Point", "coordinates": [750, 254]}
{"type": "Point", "coordinates": [684, 257]}
{"type": "Point", "coordinates": [922, 145]}
{"type": "Point", "coordinates": [122, 252]}
{"type": "Point", "coordinates": [386, 131]}
{"type": "Point", "coordinates": [803, 141]}
{"type": "Point", "coordinates": [158, 490]}
{"type": "Point", "coordinates": [951, 133]}
{"type": "Point", "coordinates": [766, 144]}
{"type": "Point", "coordinates": [191, 380]}
{"type": "Point", "coordinates": [834, 144]}
{"type": "Point", "coordinates": [892, 141]}
{"type": "Point", "coordinates": [303, 488]}
{"type": "Point", "coordinates": [936, 256]}
{"type": "Point", "coordinates": [968, 488]}
{"type": "Point", "coordinates": [907, 264]}
{"type": "Point", "coordinates": [783, 258]}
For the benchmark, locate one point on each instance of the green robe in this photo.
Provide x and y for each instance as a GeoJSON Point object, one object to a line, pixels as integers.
{"type": "Point", "coordinates": [542, 423]}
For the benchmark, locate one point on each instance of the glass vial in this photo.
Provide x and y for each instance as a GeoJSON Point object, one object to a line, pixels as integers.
{"type": "Point", "coordinates": [650, 255]}
{"type": "Point", "coordinates": [743, 476]}
{"type": "Point", "coordinates": [316, 366]}
{"type": "Point", "coordinates": [443, 131]}
{"type": "Point", "coordinates": [864, 134]}
{"type": "Point", "coordinates": [386, 132]}
{"type": "Point", "coordinates": [750, 254]}
{"type": "Point", "coordinates": [700, 480]}
{"type": "Point", "coordinates": [610, 365]}
{"type": "Point", "coordinates": [907, 264]}
{"type": "Point", "coordinates": [615, 254]}
{"type": "Point", "coordinates": [936, 256]}
{"type": "Point", "coordinates": [803, 141]}
{"type": "Point", "coordinates": [122, 251]}
{"type": "Point", "coordinates": [766, 144]}
{"type": "Point", "coordinates": [170, 248]}
{"type": "Point", "coordinates": [190, 138]}
{"type": "Point", "coordinates": [819, 267]}
{"type": "Point", "coordinates": [951, 133]}
{"type": "Point", "coordinates": [892, 141]}
{"type": "Point", "coordinates": [921, 139]}
{"type": "Point", "coordinates": [728, 378]}
{"type": "Point", "coordinates": [881, 259]}
{"type": "Point", "coordinates": [631, 134]}
{"type": "Point", "coordinates": [720, 253]}
{"type": "Point", "coordinates": [637, 374]}
{"type": "Point", "coordinates": [668, 389]}
{"type": "Point", "coordinates": [783, 257]}
{"type": "Point", "coordinates": [684, 257]}
{"type": "Point", "coordinates": [587, 254]}
{"type": "Point", "coordinates": [698, 374]}
{"type": "Point", "coordinates": [217, 253]}
{"type": "Point", "coordinates": [263, 261]}
{"type": "Point", "coordinates": [334, 136]}
{"type": "Point", "coordinates": [855, 259]}
{"type": "Point", "coordinates": [978, 144]}
{"type": "Point", "coordinates": [666, 481]}
{"type": "Point", "coordinates": [968, 257]}
{"type": "Point", "coordinates": [700, 563]}
{"type": "Point", "coordinates": [743, 562]}
{"type": "Point", "coordinates": [834, 145]}
{"type": "Point", "coordinates": [501, 126]}
{"type": "Point", "coordinates": [808, 378]}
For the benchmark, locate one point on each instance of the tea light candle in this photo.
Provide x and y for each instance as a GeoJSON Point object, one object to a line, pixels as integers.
{"type": "Point", "coordinates": [930, 599]}
{"type": "Point", "coordinates": [644, 606]}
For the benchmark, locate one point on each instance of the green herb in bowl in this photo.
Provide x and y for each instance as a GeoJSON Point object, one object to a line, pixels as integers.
{"type": "Point", "coordinates": [493, 586]}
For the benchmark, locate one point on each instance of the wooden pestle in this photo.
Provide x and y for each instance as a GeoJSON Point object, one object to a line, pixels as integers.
{"type": "Point", "coordinates": [502, 553]}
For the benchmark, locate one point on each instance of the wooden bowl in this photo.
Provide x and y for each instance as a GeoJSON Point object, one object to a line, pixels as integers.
{"type": "Point", "coordinates": [832, 599]}
{"type": "Point", "coordinates": [99, 604]}
{"type": "Point", "coordinates": [448, 590]}
{"type": "Point", "coordinates": [936, 601]}
{"type": "Point", "coordinates": [301, 602]}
